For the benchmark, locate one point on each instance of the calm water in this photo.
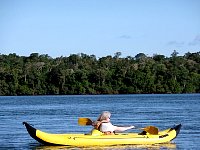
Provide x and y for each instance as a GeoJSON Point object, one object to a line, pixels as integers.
{"type": "Point", "coordinates": [59, 114]}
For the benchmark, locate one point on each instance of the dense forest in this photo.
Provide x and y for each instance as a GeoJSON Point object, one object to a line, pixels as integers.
{"type": "Point", "coordinates": [85, 74]}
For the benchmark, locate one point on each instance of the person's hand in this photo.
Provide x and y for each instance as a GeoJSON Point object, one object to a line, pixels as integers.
{"type": "Point", "coordinates": [96, 124]}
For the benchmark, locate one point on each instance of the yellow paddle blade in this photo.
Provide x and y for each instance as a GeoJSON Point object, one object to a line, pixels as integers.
{"type": "Point", "coordinates": [151, 130]}
{"type": "Point", "coordinates": [84, 121]}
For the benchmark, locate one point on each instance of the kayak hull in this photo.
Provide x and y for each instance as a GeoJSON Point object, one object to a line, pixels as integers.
{"type": "Point", "coordinates": [96, 138]}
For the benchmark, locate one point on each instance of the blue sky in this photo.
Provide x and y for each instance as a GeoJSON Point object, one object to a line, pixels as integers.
{"type": "Point", "coordinates": [99, 27]}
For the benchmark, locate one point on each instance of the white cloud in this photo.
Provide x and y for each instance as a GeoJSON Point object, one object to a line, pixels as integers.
{"type": "Point", "coordinates": [176, 43]}
{"type": "Point", "coordinates": [125, 37]}
{"type": "Point", "coordinates": [196, 41]}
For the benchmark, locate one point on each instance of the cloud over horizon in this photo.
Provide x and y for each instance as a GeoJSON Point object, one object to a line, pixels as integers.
{"type": "Point", "coordinates": [176, 43]}
{"type": "Point", "coordinates": [196, 41]}
{"type": "Point", "coordinates": [125, 36]}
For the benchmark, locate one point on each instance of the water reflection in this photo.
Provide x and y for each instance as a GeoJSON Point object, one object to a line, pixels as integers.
{"type": "Point", "coordinates": [117, 147]}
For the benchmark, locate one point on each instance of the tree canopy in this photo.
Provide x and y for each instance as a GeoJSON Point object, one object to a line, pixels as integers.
{"type": "Point", "coordinates": [85, 74]}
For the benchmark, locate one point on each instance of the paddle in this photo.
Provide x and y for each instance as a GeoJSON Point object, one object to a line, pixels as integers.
{"type": "Point", "coordinates": [84, 121]}
{"type": "Point", "coordinates": [149, 129]}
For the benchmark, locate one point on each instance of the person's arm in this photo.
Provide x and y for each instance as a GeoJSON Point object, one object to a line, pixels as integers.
{"type": "Point", "coordinates": [96, 124]}
{"type": "Point", "coordinates": [121, 129]}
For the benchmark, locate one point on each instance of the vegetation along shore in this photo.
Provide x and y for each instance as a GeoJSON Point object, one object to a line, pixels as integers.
{"type": "Point", "coordinates": [85, 74]}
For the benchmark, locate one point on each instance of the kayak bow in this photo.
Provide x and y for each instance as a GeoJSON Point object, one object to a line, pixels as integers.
{"type": "Point", "coordinates": [97, 138]}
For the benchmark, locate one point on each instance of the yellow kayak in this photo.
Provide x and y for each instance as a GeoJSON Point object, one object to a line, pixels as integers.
{"type": "Point", "coordinates": [97, 138]}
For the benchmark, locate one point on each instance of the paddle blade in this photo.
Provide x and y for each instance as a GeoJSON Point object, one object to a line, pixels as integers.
{"type": "Point", "coordinates": [84, 121]}
{"type": "Point", "coordinates": [151, 130]}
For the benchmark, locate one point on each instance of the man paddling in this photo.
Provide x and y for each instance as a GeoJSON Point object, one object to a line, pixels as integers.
{"type": "Point", "coordinates": [104, 125]}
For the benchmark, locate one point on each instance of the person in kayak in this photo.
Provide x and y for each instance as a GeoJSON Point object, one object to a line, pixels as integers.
{"type": "Point", "coordinates": [104, 125]}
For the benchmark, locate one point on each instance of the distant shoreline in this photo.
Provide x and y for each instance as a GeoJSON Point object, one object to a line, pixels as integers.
{"type": "Point", "coordinates": [82, 74]}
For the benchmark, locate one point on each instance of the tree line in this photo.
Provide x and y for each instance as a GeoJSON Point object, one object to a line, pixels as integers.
{"type": "Point", "coordinates": [85, 74]}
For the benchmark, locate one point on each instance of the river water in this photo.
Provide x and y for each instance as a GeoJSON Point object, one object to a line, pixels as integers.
{"type": "Point", "coordinates": [59, 114]}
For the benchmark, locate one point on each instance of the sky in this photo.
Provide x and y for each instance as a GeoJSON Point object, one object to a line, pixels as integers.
{"type": "Point", "coordinates": [99, 27]}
